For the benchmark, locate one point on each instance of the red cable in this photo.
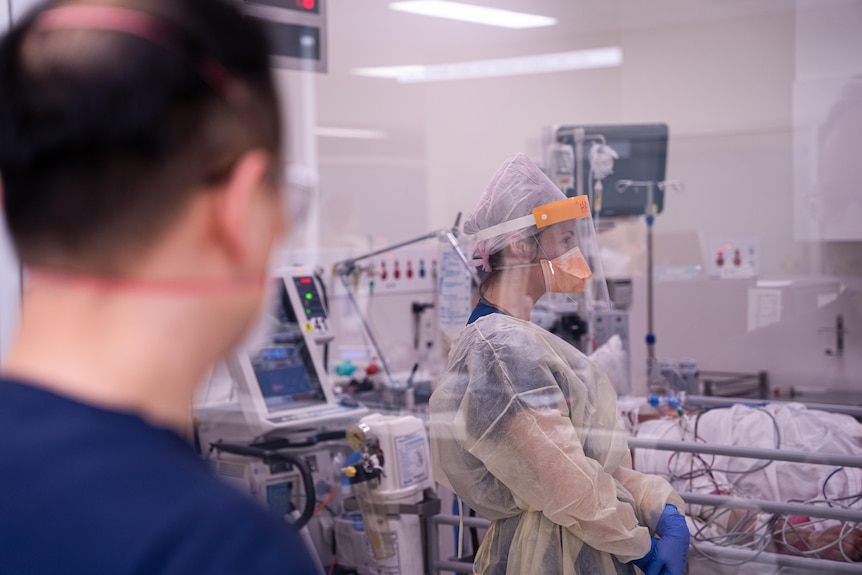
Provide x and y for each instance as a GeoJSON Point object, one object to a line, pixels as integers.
{"type": "Point", "coordinates": [325, 503]}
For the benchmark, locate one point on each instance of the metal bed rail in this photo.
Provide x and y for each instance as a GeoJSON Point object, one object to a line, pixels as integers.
{"type": "Point", "coordinates": [760, 505]}
{"type": "Point", "coordinates": [707, 550]}
{"type": "Point", "coordinates": [851, 515]}
{"type": "Point", "coordinates": [746, 452]}
{"type": "Point", "coordinates": [740, 556]}
{"type": "Point", "coordinates": [710, 401]}
{"type": "Point", "coordinates": [437, 564]}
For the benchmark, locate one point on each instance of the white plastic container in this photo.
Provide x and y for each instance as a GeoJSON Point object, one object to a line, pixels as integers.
{"type": "Point", "coordinates": [407, 459]}
{"type": "Point", "coordinates": [407, 467]}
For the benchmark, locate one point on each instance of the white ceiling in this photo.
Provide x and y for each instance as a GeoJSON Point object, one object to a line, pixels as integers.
{"type": "Point", "coordinates": [369, 33]}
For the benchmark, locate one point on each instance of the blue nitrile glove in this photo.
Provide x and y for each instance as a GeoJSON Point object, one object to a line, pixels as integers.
{"type": "Point", "coordinates": [648, 563]}
{"type": "Point", "coordinates": [672, 548]}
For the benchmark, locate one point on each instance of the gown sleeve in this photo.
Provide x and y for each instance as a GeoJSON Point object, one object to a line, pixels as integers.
{"type": "Point", "coordinates": [516, 420]}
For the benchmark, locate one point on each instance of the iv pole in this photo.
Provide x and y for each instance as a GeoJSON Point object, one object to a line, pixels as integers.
{"type": "Point", "coordinates": [622, 186]}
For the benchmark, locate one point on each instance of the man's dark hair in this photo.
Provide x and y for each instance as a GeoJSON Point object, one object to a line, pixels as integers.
{"type": "Point", "coordinates": [105, 133]}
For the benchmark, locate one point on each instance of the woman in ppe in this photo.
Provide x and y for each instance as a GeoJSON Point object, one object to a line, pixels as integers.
{"type": "Point", "coordinates": [524, 427]}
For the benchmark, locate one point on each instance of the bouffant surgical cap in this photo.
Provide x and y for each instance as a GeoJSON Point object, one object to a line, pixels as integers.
{"type": "Point", "coordinates": [516, 189]}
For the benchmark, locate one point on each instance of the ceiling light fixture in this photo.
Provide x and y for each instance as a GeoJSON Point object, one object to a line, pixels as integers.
{"type": "Point", "coordinates": [473, 13]}
{"type": "Point", "coordinates": [323, 132]}
{"type": "Point", "coordinates": [538, 64]}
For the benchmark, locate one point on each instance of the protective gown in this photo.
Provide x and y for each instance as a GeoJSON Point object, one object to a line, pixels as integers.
{"type": "Point", "coordinates": [524, 428]}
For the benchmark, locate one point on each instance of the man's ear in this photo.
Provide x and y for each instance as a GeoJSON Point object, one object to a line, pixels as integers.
{"type": "Point", "coordinates": [233, 213]}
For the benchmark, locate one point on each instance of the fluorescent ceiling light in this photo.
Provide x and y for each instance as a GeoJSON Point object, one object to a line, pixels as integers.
{"type": "Point", "coordinates": [539, 64]}
{"type": "Point", "coordinates": [391, 72]}
{"type": "Point", "coordinates": [472, 13]}
{"type": "Point", "coordinates": [322, 132]}
{"type": "Point", "coordinates": [774, 284]}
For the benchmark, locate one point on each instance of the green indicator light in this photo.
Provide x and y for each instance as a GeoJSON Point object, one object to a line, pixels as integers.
{"type": "Point", "coordinates": [308, 296]}
{"type": "Point", "coordinates": [308, 312]}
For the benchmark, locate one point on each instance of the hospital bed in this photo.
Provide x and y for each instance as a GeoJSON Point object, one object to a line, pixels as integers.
{"type": "Point", "coordinates": [771, 463]}
{"type": "Point", "coordinates": [750, 551]}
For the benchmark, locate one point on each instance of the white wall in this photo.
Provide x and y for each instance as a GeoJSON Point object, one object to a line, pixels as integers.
{"type": "Point", "coordinates": [827, 198]}
{"type": "Point", "coordinates": [4, 17]}
{"type": "Point", "coordinates": [708, 320]}
{"type": "Point", "coordinates": [728, 106]}
{"type": "Point", "coordinates": [723, 80]}
{"type": "Point", "coordinates": [9, 270]}
{"type": "Point", "coordinates": [7, 284]}
{"type": "Point", "coordinates": [21, 7]}
{"type": "Point", "coordinates": [9, 290]}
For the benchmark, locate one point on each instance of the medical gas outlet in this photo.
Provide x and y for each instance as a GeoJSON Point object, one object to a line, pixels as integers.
{"type": "Point", "coordinates": [402, 271]}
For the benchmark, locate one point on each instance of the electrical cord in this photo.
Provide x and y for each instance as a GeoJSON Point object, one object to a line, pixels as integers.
{"type": "Point", "coordinates": [758, 532]}
{"type": "Point", "coordinates": [826, 481]}
{"type": "Point", "coordinates": [751, 530]}
{"type": "Point", "coordinates": [284, 443]}
{"type": "Point", "coordinates": [767, 463]}
{"type": "Point", "coordinates": [740, 534]}
{"type": "Point", "coordinates": [768, 532]}
{"type": "Point", "coordinates": [675, 458]}
{"type": "Point", "coordinates": [704, 467]}
{"type": "Point", "coordinates": [757, 540]}
{"type": "Point", "coordinates": [846, 529]}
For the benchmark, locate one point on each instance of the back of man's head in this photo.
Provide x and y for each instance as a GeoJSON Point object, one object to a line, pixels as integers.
{"type": "Point", "coordinates": [114, 112]}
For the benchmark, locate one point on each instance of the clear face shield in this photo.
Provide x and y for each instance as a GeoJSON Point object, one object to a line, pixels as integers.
{"type": "Point", "coordinates": [572, 264]}
{"type": "Point", "coordinates": [558, 238]}
{"type": "Point", "coordinates": [565, 247]}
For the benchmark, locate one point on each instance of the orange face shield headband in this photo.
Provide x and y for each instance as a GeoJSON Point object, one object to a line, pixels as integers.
{"type": "Point", "coordinates": [542, 216]}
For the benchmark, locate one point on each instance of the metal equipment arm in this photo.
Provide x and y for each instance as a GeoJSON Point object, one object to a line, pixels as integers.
{"type": "Point", "coordinates": [346, 268]}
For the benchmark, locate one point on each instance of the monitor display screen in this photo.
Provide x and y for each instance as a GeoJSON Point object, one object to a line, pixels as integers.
{"type": "Point", "coordinates": [286, 377]}
{"type": "Point", "coordinates": [284, 369]}
{"type": "Point", "coordinates": [278, 498]}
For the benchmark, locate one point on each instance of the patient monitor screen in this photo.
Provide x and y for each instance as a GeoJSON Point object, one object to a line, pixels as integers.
{"type": "Point", "coordinates": [284, 369]}
{"type": "Point", "coordinates": [286, 377]}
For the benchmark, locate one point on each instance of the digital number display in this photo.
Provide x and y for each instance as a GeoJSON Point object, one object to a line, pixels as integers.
{"type": "Point", "coordinates": [311, 6]}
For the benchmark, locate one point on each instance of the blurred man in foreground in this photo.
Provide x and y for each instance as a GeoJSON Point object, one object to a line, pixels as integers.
{"type": "Point", "coordinates": [139, 153]}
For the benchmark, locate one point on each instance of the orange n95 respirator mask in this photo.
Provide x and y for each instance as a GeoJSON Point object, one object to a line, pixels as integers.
{"type": "Point", "coordinates": [567, 273]}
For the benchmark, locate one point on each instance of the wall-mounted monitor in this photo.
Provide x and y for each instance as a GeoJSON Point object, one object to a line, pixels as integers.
{"type": "Point", "coordinates": [642, 150]}
{"type": "Point", "coordinates": [296, 30]}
